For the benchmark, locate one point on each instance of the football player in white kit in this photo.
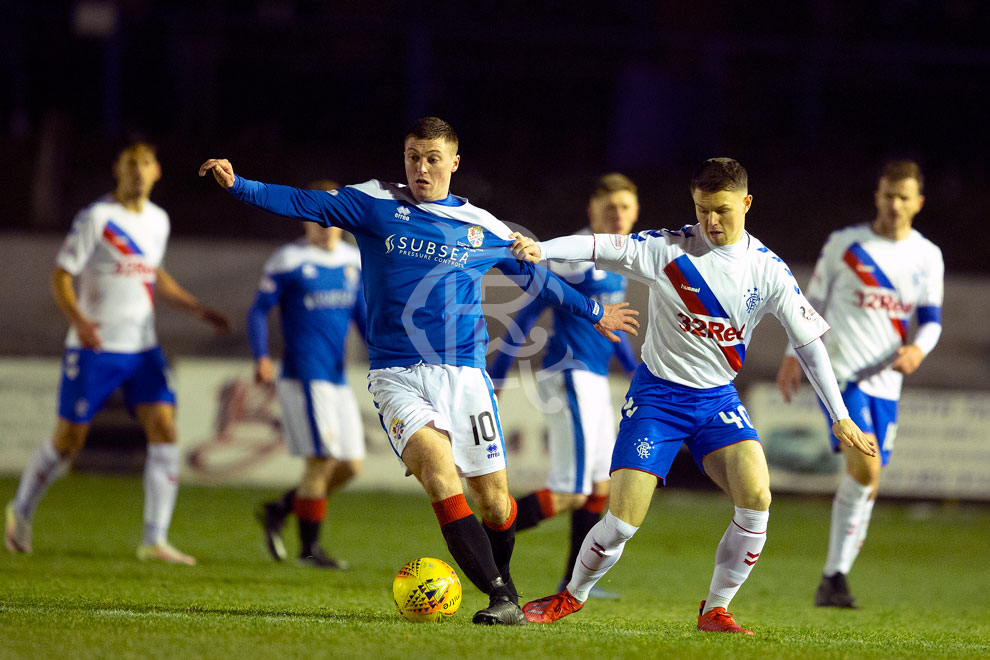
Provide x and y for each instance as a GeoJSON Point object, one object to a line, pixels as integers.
{"type": "Point", "coordinates": [316, 284]}
{"type": "Point", "coordinates": [710, 284]}
{"type": "Point", "coordinates": [575, 372]}
{"type": "Point", "coordinates": [114, 254]}
{"type": "Point", "coordinates": [870, 279]}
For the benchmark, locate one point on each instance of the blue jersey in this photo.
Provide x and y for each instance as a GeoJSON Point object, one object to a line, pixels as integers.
{"type": "Point", "coordinates": [318, 293]}
{"type": "Point", "coordinates": [422, 267]}
{"type": "Point", "coordinates": [573, 344]}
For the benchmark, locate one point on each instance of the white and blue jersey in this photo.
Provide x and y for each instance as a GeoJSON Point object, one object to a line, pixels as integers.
{"type": "Point", "coordinates": [422, 267]}
{"type": "Point", "coordinates": [318, 293]}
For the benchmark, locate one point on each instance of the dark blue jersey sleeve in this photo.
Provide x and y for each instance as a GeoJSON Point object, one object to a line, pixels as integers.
{"type": "Point", "coordinates": [539, 282]}
{"type": "Point", "coordinates": [359, 313]}
{"type": "Point", "coordinates": [257, 320]}
{"type": "Point", "coordinates": [515, 336]}
{"type": "Point", "coordinates": [625, 354]}
{"type": "Point", "coordinates": [344, 207]}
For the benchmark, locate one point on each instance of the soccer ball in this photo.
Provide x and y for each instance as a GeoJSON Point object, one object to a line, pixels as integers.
{"type": "Point", "coordinates": [426, 589]}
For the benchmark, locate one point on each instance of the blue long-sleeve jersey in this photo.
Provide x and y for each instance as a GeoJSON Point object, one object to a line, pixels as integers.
{"type": "Point", "coordinates": [571, 345]}
{"type": "Point", "coordinates": [422, 265]}
{"type": "Point", "coordinates": [318, 293]}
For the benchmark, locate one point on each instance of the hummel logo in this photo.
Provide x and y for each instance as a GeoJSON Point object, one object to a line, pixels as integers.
{"type": "Point", "coordinates": [755, 557]}
{"type": "Point", "coordinates": [402, 213]}
{"type": "Point", "coordinates": [598, 550]}
{"type": "Point", "coordinates": [690, 288]}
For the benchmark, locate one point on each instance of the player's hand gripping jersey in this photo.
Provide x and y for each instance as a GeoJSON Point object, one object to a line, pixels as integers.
{"type": "Point", "coordinates": [114, 254]}
{"type": "Point", "coordinates": [706, 300]}
{"type": "Point", "coordinates": [318, 293]}
{"type": "Point", "coordinates": [422, 265]}
{"type": "Point", "coordinates": [870, 287]}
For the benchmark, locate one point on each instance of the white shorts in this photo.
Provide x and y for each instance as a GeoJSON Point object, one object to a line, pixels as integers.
{"type": "Point", "coordinates": [582, 434]}
{"type": "Point", "coordinates": [320, 419]}
{"type": "Point", "coordinates": [458, 400]}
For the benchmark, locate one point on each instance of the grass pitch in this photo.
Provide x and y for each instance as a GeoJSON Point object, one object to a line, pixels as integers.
{"type": "Point", "coordinates": [921, 582]}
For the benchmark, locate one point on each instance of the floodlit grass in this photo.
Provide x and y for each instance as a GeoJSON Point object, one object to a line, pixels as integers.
{"type": "Point", "coordinates": [921, 581]}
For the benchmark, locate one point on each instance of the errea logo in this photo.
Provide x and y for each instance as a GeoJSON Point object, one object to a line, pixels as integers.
{"type": "Point", "coordinates": [402, 213]}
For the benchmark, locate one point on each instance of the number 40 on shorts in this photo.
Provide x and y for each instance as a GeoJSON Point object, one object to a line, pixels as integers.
{"type": "Point", "coordinates": [741, 420]}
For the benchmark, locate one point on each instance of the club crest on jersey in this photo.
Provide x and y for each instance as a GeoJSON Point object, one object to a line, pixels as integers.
{"type": "Point", "coordinates": [752, 299]}
{"type": "Point", "coordinates": [350, 274]}
{"type": "Point", "coordinates": [402, 213]}
{"type": "Point", "coordinates": [397, 428]}
{"type": "Point", "coordinates": [643, 448]}
{"type": "Point", "coordinates": [309, 271]}
{"type": "Point", "coordinates": [475, 236]}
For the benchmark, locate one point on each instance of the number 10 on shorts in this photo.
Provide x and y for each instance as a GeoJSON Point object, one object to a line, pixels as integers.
{"type": "Point", "coordinates": [483, 427]}
{"type": "Point", "coordinates": [741, 420]}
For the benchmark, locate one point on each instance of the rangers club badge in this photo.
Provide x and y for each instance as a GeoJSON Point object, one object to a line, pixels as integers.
{"type": "Point", "coordinates": [475, 236]}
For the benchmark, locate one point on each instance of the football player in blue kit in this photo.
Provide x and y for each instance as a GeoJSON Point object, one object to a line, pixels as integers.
{"type": "Point", "coordinates": [316, 284]}
{"type": "Point", "coordinates": [424, 252]}
{"type": "Point", "coordinates": [575, 372]}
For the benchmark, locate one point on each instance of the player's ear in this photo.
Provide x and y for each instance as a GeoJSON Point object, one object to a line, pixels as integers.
{"type": "Point", "coordinates": [747, 202]}
{"type": "Point", "coordinates": [456, 163]}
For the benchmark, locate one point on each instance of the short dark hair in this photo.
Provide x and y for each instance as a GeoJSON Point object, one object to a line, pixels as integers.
{"type": "Point", "coordinates": [898, 170]}
{"type": "Point", "coordinates": [612, 182]}
{"type": "Point", "coordinates": [433, 128]}
{"type": "Point", "coordinates": [323, 184]}
{"type": "Point", "coordinates": [717, 174]}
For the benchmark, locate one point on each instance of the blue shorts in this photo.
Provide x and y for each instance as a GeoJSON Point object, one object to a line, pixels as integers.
{"type": "Point", "coordinates": [660, 415]}
{"type": "Point", "coordinates": [89, 377]}
{"type": "Point", "coordinates": [872, 415]}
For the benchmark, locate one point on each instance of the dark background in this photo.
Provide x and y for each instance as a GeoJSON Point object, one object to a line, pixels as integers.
{"type": "Point", "coordinates": [810, 95]}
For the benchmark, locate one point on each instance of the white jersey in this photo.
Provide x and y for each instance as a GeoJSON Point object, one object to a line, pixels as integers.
{"type": "Point", "coordinates": [114, 254]}
{"type": "Point", "coordinates": [705, 300]}
{"type": "Point", "coordinates": [870, 287]}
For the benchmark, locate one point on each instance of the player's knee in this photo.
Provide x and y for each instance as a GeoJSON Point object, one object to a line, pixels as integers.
{"type": "Point", "coordinates": [347, 470]}
{"type": "Point", "coordinates": [757, 499]}
{"type": "Point", "coordinates": [68, 445]}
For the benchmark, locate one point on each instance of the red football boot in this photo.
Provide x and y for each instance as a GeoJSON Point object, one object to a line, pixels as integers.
{"type": "Point", "coordinates": [718, 620]}
{"type": "Point", "coordinates": [552, 608]}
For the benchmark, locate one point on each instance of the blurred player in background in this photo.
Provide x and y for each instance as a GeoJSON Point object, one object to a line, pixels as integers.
{"type": "Point", "coordinates": [114, 254]}
{"type": "Point", "coordinates": [316, 283]}
{"type": "Point", "coordinates": [710, 284]}
{"type": "Point", "coordinates": [424, 252]}
{"type": "Point", "coordinates": [869, 280]}
{"type": "Point", "coordinates": [575, 372]}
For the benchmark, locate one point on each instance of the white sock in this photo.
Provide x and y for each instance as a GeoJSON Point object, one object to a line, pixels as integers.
{"type": "Point", "coordinates": [161, 485]}
{"type": "Point", "coordinates": [600, 551]}
{"type": "Point", "coordinates": [849, 506]}
{"type": "Point", "coordinates": [44, 467]}
{"type": "Point", "coordinates": [737, 553]}
{"type": "Point", "coordinates": [861, 529]}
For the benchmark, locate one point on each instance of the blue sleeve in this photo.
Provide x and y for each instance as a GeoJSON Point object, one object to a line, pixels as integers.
{"type": "Point", "coordinates": [625, 354]}
{"type": "Point", "coordinates": [539, 282]}
{"type": "Point", "coordinates": [257, 321]}
{"type": "Point", "coordinates": [359, 314]}
{"type": "Point", "coordinates": [345, 209]}
{"type": "Point", "coordinates": [515, 336]}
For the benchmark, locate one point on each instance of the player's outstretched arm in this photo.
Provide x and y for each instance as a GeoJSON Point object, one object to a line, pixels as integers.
{"type": "Point", "coordinates": [789, 377]}
{"type": "Point", "coordinates": [850, 436]}
{"type": "Point", "coordinates": [222, 170]}
{"type": "Point", "coordinates": [617, 317]}
{"type": "Point", "coordinates": [170, 291]}
{"type": "Point", "coordinates": [65, 297]}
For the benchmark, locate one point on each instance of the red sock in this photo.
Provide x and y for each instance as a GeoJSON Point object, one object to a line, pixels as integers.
{"type": "Point", "coordinates": [313, 509]}
{"type": "Point", "coordinates": [451, 509]}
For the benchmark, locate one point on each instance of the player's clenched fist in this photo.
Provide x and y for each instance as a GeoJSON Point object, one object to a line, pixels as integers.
{"type": "Point", "coordinates": [525, 248]}
{"type": "Point", "coordinates": [222, 170]}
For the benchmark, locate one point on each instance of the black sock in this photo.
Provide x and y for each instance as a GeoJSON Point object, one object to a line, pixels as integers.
{"type": "Point", "coordinates": [470, 548]}
{"type": "Point", "coordinates": [284, 503]}
{"type": "Point", "coordinates": [502, 542]}
{"type": "Point", "coordinates": [309, 535]}
{"type": "Point", "coordinates": [582, 521]}
{"type": "Point", "coordinates": [529, 513]}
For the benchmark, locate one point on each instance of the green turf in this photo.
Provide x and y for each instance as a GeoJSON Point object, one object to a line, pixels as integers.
{"type": "Point", "coordinates": [922, 583]}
